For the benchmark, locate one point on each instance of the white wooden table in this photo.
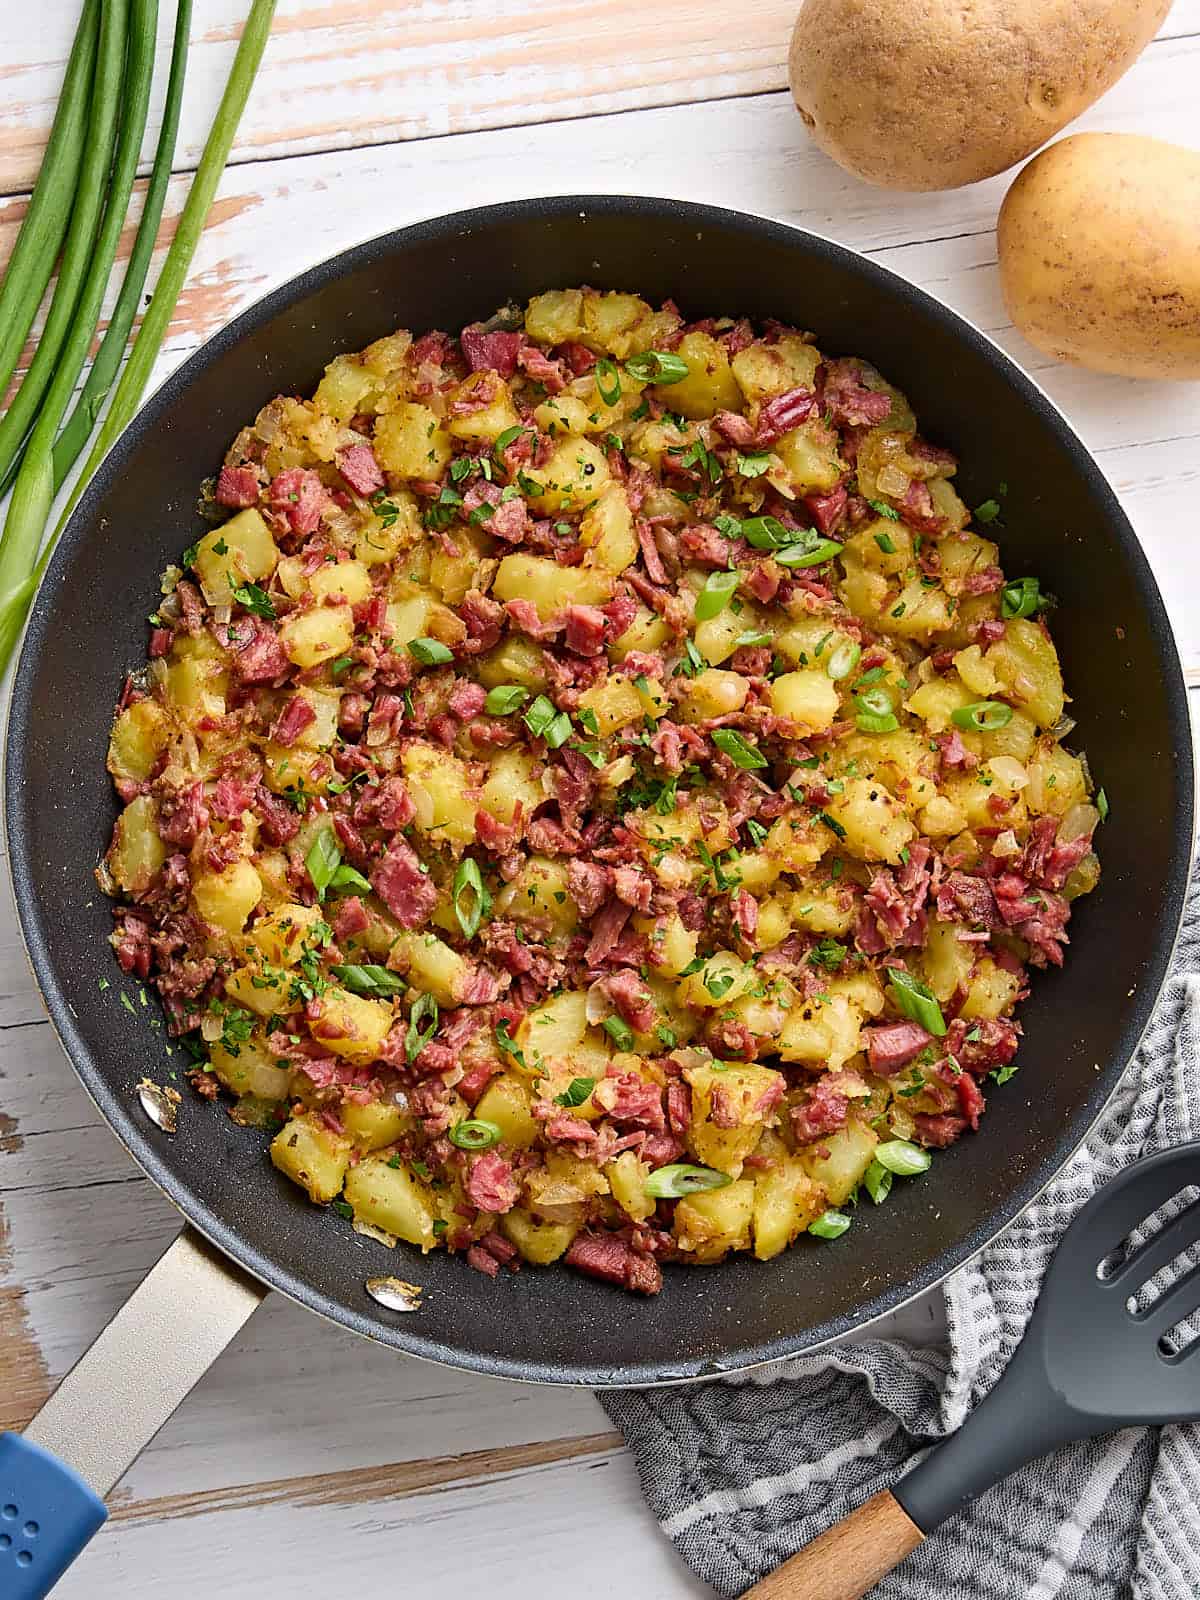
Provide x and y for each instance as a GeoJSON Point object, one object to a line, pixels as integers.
{"type": "Point", "coordinates": [309, 1462]}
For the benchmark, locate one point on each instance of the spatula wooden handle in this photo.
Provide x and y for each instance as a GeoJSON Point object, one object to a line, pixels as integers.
{"type": "Point", "coordinates": [847, 1560]}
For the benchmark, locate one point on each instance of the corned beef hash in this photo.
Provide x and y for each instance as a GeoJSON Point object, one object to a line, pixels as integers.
{"type": "Point", "coordinates": [594, 793]}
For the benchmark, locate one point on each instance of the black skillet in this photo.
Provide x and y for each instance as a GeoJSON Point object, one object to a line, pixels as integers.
{"type": "Point", "coordinates": [1061, 522]}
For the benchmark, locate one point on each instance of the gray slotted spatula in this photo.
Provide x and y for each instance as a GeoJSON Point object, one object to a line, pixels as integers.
{"type": "Point", "coordinates": [1088, 1363]}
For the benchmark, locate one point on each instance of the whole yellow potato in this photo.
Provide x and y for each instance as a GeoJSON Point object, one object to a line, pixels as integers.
{"type": "Point", "coordinates": [1099, 244]}
{"type": "Point", "coordinates": [932, 94]}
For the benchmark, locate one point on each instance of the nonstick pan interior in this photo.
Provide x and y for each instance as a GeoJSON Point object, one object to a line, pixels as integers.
{"type": "Point", "coordinates": [1060, 522]}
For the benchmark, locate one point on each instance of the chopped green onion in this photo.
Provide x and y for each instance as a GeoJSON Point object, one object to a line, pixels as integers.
{"type": "Point", "coordinates": [322, 861]}
{"type": "Point", "coordinates": [751, 639]}
{"type": "Point", "coordinates": [988, 511]}
{"type": "Point", "coordinates": [873, 711]}
{"type": "Point", "coordinates": [475, 1133]}
{"type": "Point", "coordinates": [679, 1179]}
{"type": "Point", "coordinates": [368, 979]}
{"type": "Point", "coordinates": [877, 1181]}
{"type": "Point", "coordinates": [983, 716]}
{"type": "Point", "coordinates": [576, 1092]}
{"type": "Point", "coordinates": [619, 1032]}
{"type": "Point", "coordinates": [430, 652]}
{"type": "Point", "coordinates": [78, 428]}
{"type": "Point", "coordinates": [740, 751]}
{"type": "Point", "coordinates": [719, 587]}
{"type": "Point", "coordinates": [608, 381]}
{"type": "Point", "coordinates": [767, 533]}
{"type": "Point", "coordinates": [504, 699]}
{"type": "Point", "coordinates": [1004, 1073]}
{"type": "Point", "coordinates": [832, 824]}
{"type": "Point", "coordinates": [558, 731]}
{"type": "Point", "coordinates": [509, 436]}
{"type": "Point", "coordinates": [540, 715]}
{"type": "Point", "coordinates": [1102, 805]}
{"type": "Point", "coordinates": [903, 1158]}
{"type": "Point", "coordinates": [830, 1225]}
{"type": "Point", "coordinates": [422, 1025]}
{"type": "Point", "coordinates": [843, 659]}
{"type": "Point", "coordinates": [657, 366]}
{"type": "Point", "coordinates": [886, 543]}
{"type": "Point", "coordinates": [1023, 597]}
{"type": "Point", "coordinates": [753, 466]}
{"type": "Point", "coordinates": [349, 878]}
{"type": "Point", "coordinates": [808, 551]}
{"type": "Point", "coordinates": [468, 886]}
{"type": "Point", "coordinates": [916, 1001]}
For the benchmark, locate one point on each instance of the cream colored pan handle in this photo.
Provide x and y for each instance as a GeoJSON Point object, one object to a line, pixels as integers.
{"type": "Point", "coordinates": [54, 1477]}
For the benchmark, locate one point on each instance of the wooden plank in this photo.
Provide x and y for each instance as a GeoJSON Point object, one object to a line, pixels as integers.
{"type": "Point", "coordinates": [344, 73]}
{"type": "Point", "coordinates": [577, 1527]}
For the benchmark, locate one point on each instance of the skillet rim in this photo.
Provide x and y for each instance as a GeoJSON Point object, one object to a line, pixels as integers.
{"type": "Point", "coordinates": [149, 1153]}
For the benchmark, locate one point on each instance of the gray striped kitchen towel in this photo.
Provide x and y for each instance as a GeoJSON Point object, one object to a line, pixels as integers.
{"type": "Point", "coordinates": [743, 1472]}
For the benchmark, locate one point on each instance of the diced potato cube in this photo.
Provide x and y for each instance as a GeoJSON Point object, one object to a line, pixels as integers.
{"type": "Point", "coordinates": [712, 693]}
{"type": "Point", "coordinates": [393, 1199]}
{"type": "Point", "coordinates": [808, 697]}
{"type": "Point", "coordinates": [511, 783]}
{"type": "Point", "coordinates": [263, 990]}
{"type": "Point", "coordinates": [411, 442]}
{"type": "Point", "coordinates": [786, 1200]}
{"type": "Point", "coordinates": [721, 979]}
{"type": "Point", "coordinates": [614, 702]}
{"type": "Point", "coordinates": [515, 659]}
{"type": "Point", "coordinates": [1026, 663]}
{"type": "Point", "coordinates": [672, 946]}
{"type": "Point", "coordinates": [708, 1225]}
{"type": "Point", "coordinates": [810, 458]}
{"type": "Point", "coordinates": [241, 548]}
{"type": "Point", "coordinates": [139, 736]}
{"type": "Point", "coordinates": [606, 532]}
{"type": "Point", "coordinates": [321, 732]}
{"type": "Point", "coordinates": [946, 960]}
{"type": "Point", "coordinates": [549, 586]}
{"type": "Point", "coordinates": [227, 898]}
{"type": "Point", "coordinates": [936, 701]}
{"type": "Point", "coordinates": [823, 1031]}
{"type": "Point", "coordinates": [992, 992]}
{"type": "Point", "coordinates": [574, 477]}
{"type": "Point", "coordinates": [797, 841]}
{"type": "Point", "coordinates": [347, 581]}
{"type": "Point", "coordinates": [438, 783]}
{"type": "Point", "coordinates": [627, 1180]}
{"type": "Point", "coordinates": [506, 1102]}
{"type": "Point", "coordinates": [453, 575]}
{"type": "Point", "coordinates": [540, 1241]}
{"type": "Point", "coordinates": [280, 938]}
{"type": "Point", "coordinates": [564, 413]}
{"type": "Point", "coordinates": [434, 968]}
{"type": "Point", "coordinates": [196, 686]}
{"type": "Point", "coordinates": [874, 825]}
{"type": "Point", "coordinates": [747, 1096]}
{"type": "Point", "coordinates": [941, 818]}
{"type": "Point", "coordinates": [351, 1025]}
{"type": "Point", "coordinates": [346, 388]}
{"type": "Point", "coordinates": [313, 1156]}
{"type": "Point", "coordinates": [838, 1162]}
{"type": "Point", "coordinates": [310, 638]}
{"type": "Point", "coordinates": [918, 612]}
{"type": "Point", "coordinates": [978, 674]}
{"type": "Point", "coordinates": [1056, 781]}
{"type": "Point", "coordinates": [253, 1070]}
{"type": "Point", "coordinates": [563, 1181]}
{"type": "Point", "coordinates": [646, 632]}
{"type": "Point", "coordinates": [490, 420]}
{"type": "Point", "coordinates": [375, 1125]}
{"type": "Point", "coordinates": [292, 770]}
{"type": "Point", "coordinates": [555, 317]}
{"type": "Point", "coordinates": [557, 1031]}
{"type": "Point", "coordinates": [763, 371]}
{"type": "Point", "coordinates": [709, 386]}
{"type": "Point", "coordinates": [392, 528]}
{"type": "Point", "coordinates": [608, 320]}
{"type": "Point", "coordinates": [539, 894]}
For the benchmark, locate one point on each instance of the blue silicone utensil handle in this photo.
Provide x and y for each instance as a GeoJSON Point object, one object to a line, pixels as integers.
{"type": "Point", "coordinates": [47, 1515]}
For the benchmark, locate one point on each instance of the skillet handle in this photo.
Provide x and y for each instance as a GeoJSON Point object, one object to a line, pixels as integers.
{"type": "Point", "coordinates": [108, 1408]}
{"type": "Point", "coordinates": [847, 1560]}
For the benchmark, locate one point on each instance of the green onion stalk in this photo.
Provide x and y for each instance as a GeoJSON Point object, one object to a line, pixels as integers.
{"type": "Point", "coordinates": [78, 429]}
{"type": "Point", "coordinates": [45, 226]}
{"type": "Point", "coordinates": [79, 250]}
{"type": "Point", "coordinates": [33, 494]}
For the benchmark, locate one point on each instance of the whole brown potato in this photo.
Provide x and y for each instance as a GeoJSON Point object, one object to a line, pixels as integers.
{"type": "Point", "coordinates": [1099, 242]}
{"type": "Point", "coordinates": [932, 94]}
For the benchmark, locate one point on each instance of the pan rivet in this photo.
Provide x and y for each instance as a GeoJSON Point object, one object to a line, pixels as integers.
{"type": "Point", "coordinates": [160, 1105]}
{"type": "Point", "coordinates": [395, 1294]}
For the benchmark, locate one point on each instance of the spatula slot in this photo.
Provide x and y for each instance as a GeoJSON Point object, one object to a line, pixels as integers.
{"type": "Point", "coordinates": [1172, 1228]}
{"type": "Point", "coordinates": [1181, 1340]}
